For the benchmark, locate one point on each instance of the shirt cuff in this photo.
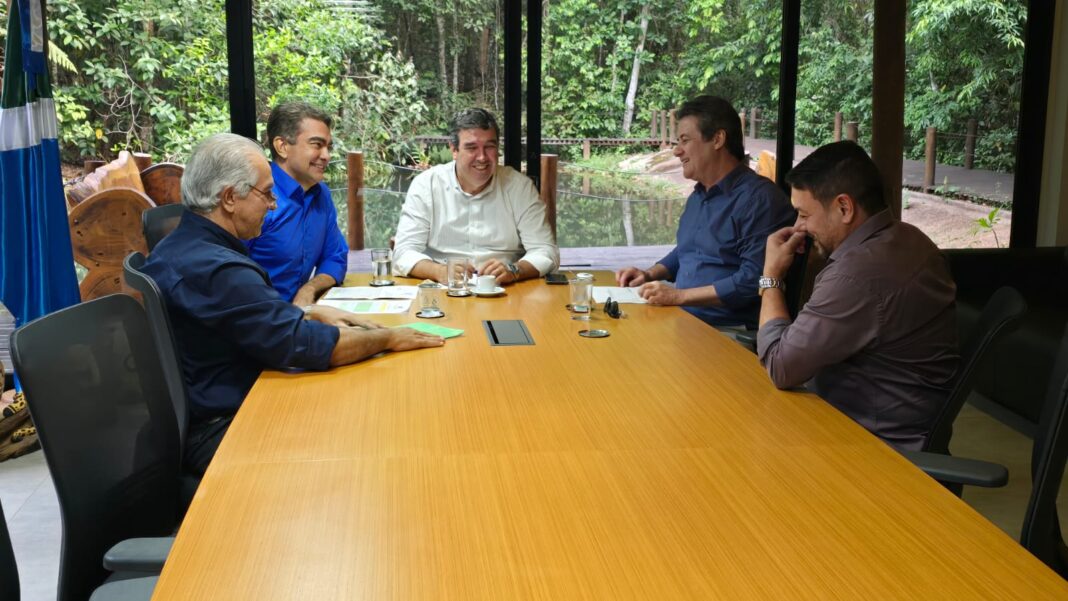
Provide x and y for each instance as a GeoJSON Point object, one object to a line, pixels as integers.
{"type": "Point", "coordinates": [404, 262]}
{"type": "Point", "coordinates": [333, 269]}
{"type": "Point", "coordinates": [540, 262]}
{"type": "Point", "coordinates": [768, 335]}
{"type": "Point", "coordinates": [315, 342]}
{"type": "Point", "coordinates": [729, 294]}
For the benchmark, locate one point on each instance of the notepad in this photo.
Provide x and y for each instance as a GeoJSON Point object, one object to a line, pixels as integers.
{"type": "Point", "coordinates": [371, 293]}
{"type": "Point", "coordinates": [429, 328]}
{"type": "Point", "coordinates": [618, 294]}
{"type": "Point", "coordinates": [364, 307]}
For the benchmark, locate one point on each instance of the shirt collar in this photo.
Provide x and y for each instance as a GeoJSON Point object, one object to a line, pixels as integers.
{"type": "Point", "coordinates": [876, 223]}
{"type": "Point", "coordinates": [455, 183]}
{"type": "Point", "coordinates": [289, 187]}
{"type": "Point", "coordinates": [725, 185]}
{"type": "Point", "coordinates": [212, 229]}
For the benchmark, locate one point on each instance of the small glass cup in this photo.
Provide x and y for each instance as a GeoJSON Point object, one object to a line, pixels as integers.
{"type": "Point", "coordinates": [381, 267]}
{"type": "Point", "coordinates": [581, 294]}
{"type": "Point", "coordinates": [430, 300]}
{"type": "Point", "coordinates": [459, 270]}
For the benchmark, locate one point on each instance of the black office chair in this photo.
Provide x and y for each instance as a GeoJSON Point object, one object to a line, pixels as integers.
{"type": "Point", "coordinates": [1001, 316]}
{"type": "Point", "coordinates": [96, 391]}
{"type": "Point", "coordinates": [1041, 534]}
{"type": "Point", "coordinates": [162, 337]}
{"type": "Point", "coordinates": [133, 589]}
{"type": "Point", "coordinates": [159, 221]}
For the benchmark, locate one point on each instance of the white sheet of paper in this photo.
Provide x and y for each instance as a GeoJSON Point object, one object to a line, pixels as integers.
{"type": "Point", "coordinates": [620, 295]}
{"type": "Point", "coordinates": [369, 306]}
{"type": "Point", "coordinates": [371, 293]}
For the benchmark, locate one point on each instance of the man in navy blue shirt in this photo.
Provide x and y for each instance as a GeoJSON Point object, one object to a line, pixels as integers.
{"type": "Point", "coordinates": [723, 230]}
{"type": "Point", "coordinates": [229, 322]}
{"type": "Point", "coordinates": [301, 235]}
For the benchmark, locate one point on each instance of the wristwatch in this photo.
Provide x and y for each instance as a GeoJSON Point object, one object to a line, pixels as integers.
{"type": "Point", "coordinates": [513, 269]}
{"type": "Point", "coordinates": [766, 282]}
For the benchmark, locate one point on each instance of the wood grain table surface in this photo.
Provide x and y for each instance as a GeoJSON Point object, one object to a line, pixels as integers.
{"type": "Point", "coordinates": [657, 463]}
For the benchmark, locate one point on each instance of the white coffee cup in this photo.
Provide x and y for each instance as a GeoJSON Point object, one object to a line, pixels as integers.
{"type": "Point", "coordinates": [486, 283]}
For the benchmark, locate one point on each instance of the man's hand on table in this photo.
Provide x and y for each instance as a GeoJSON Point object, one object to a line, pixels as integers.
{"type": "Point", "coordinates": [632, 276]}
{"type": "Point", "coordinates": [407, 339]}
{"type": "Point", "coordinates": [336, 317]}
{"type": "Point", "coordinates": [499, 270]}
{"type": "Point", "coordinates": [661, 293]}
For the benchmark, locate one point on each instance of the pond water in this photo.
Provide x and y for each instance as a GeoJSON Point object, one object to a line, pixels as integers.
{"type": "Point", "coordinates": [594, 208]}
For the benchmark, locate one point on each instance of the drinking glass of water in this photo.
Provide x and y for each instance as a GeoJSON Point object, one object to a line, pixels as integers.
{"type": "Point", "coordinates": [381, 267]}
{"type": "Point", "coordinates": [581, 293]}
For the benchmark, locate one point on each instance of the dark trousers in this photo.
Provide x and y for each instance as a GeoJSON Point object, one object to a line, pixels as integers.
{"type": "Point", "coordinates": [201, 442]}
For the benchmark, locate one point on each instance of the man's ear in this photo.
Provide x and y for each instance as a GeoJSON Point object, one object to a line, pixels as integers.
{"type": "Point", "coordinates": [281, 147]}
{"type": "Point", "coordinates": [719, 140]}
{"type": "Point", "coordinates": [846, 206]}
{"type": "Point", "coordinates": [228, 199]}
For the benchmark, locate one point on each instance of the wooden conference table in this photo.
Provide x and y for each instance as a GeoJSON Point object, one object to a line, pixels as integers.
{"type": "Point", "coordinates": [657, 463]}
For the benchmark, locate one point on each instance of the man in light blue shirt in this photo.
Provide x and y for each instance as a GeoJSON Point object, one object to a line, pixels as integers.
{"type": "Point", "coordinates": [301, 235]}
{"type": "Point", "coordinates": [723, 230]}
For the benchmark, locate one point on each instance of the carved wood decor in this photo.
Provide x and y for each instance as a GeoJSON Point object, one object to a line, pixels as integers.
{"type": "Point", "coordinates": [104, 228]}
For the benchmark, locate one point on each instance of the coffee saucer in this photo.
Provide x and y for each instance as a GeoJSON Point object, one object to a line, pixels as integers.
{"type": "Point", "coordinates": [497, 291]}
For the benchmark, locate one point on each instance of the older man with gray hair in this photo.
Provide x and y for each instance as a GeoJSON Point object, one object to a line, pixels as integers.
{"type": "Point", "coordinates": [228, 320]}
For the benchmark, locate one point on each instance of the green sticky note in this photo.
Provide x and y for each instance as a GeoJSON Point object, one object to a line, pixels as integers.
{"type": "Point", "coordinates": [429, 328]}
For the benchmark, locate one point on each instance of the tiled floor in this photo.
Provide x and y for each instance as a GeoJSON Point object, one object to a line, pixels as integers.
{"type": "Point", "coordinates": [33, 514]}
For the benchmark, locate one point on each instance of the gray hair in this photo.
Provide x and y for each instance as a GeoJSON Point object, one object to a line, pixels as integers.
{"type": "Point", "coordinates": [285, 119]}
{"type": "Point", "coordinates": [219, 161]}
{"type": "Point", "coordinates": [473, 118]}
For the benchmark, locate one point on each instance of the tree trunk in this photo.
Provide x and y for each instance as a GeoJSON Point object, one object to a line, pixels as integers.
{"type": "Point", "coordinates": [614, 57]}
{"type": "Point", "coordinates": [628, 222]}
{"type": "Point", "coordinates": [483, 58]}
{"type": "Point", "coordinates": [632, 90]}
{"type": "Point", "coordinates": [439, 20]}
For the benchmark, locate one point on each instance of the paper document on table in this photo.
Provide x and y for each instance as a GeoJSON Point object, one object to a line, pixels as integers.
{"type": "Point", "coordinates": [369, 306]}
{"type": "Point", "coordinates": [371, 293]}
{"type": "Point", "coordinates": [620, 295]}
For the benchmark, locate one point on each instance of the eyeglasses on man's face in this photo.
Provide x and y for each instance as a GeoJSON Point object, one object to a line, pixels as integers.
{"type": "Point", "coordinates": [268, 196]}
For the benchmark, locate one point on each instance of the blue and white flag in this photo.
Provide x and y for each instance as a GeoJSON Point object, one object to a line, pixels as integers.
{"type": "Point", "coordinates": [36, 261]}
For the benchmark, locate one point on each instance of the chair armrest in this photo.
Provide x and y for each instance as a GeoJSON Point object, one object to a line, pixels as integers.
{"type": "Point", "coordinates": [138, 555]}
{"type": "Point", "coordinates": [959, 470]}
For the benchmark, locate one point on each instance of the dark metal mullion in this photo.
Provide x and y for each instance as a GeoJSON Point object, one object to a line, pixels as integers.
{"type": "Point", "coordinates": [241, 68]}
{"type": "Point", "coordinates": [788, 65]}
{"type": "Point", "coordinates": [534, 91]}
{"type": "Point", "coordinates": [1031, 135]}
{"type": "Point", "coordinates": [513, 83]}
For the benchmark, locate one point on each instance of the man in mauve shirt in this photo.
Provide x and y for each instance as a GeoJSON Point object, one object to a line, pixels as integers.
{"type": "Point", "coordinates": [878, 337]}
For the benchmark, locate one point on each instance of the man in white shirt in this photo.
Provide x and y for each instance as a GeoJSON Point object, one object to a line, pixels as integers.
{"type": "Point", "coordinates": [472, 207]}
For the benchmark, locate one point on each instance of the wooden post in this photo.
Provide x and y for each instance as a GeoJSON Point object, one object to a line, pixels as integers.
{"type": "Point", "coordinates": [969, 144]}
{"type": "Point", "coordinates": [931, 155]}
{"type": "Point", "coordinates": [91, 165]}
{"type": "Point", "coordinates": [652, 124]}
{"type": "Point", "coordinates": [754, 123]}
{"type": "Point", "coordinates": [355, 200]}
{"type": "Point", "coordinates": [670, 210]}
{"type": "Point", "coordinates": [663, 129]}
{"type": "Point", "coordinates": [852, 131]}
{"type": "Point", "coordinates": [838, 126]}
{"type": "Point", "coordinates": [741, 117]}
{"type": "Point", "coordinates": [143, 160]}
{"type": "Point", "coordinates": [672, 137]}
{"type": "Point", "coordinates": [549, 165]}
{"type": "Point", "coordinates": [586, 148]}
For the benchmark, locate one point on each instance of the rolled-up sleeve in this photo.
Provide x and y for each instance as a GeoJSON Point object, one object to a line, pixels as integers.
{"type": "Point", "coordinates": [534, 232]}
{"type": "Point", "coordinates": [671, 261]}
{"type": "Point", "coordinates": [766, 212]}
{"type": "Point", "coordinates": [334, 260]}
{"type": "Point", "coordinates": [839, 320]}
{"type": "Point", "coordinates": [254, 318]}
{"type": "Point", "coordinates": [413, 228]}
